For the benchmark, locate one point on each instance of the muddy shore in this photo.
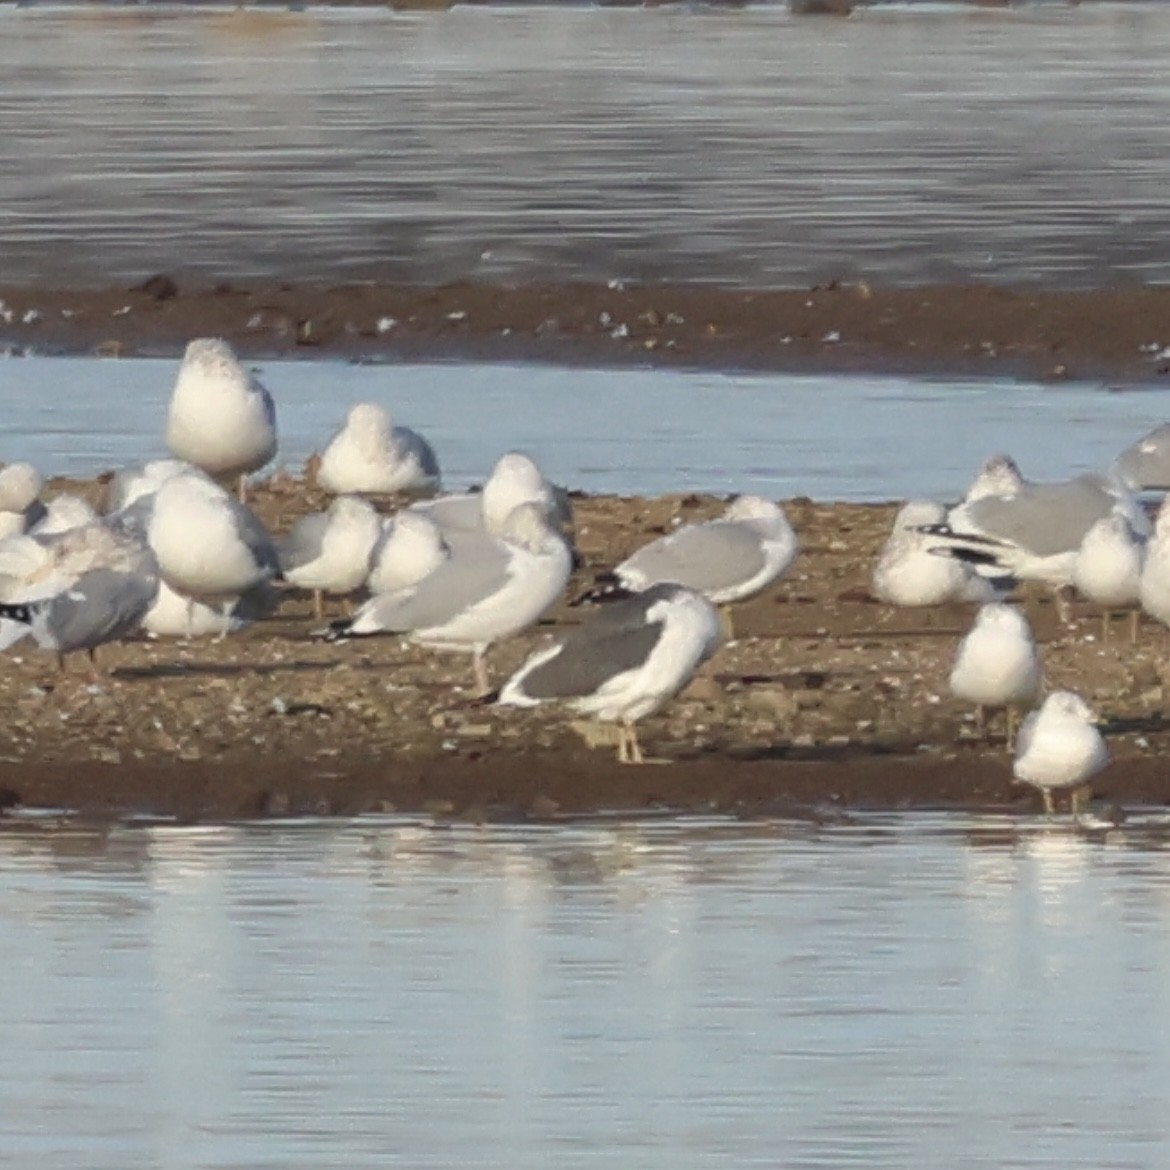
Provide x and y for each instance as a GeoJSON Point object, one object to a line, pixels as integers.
{"type": "Point", "coordinates": [825, 701]}
{"type": "Point", "coordinates": [1120, 333]}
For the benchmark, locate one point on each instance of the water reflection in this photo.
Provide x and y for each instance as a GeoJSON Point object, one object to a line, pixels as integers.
{"type": "Point", "coordinates": [894, 992]}
{"type": "Point", "coordinates": [565, 141]}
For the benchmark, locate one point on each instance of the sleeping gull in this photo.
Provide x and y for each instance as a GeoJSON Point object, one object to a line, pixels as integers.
{"type": "Point", "coordinates": [997, 664]}
{"type": "Point", "coordinates": [626, 661]}
{"type": "Point", "coordinates": [74, 590]}
{"type": "Point", "coordinates": [209, 546]}
{"type": "Point", "coordinates": [409, 548]}
{"type": "Point", "coordinates": [727, 560]}
{"type": "Point", "coordinates": [907, 573]}
{"type": "Point", "coordinates": [1145, 466]}
{"type": "Point", "coordinates": [1033, 533]}
{"type": "Point", "coordinates": [20, 505]}
{"type": "Point", "coordinates": [476, 597]}
{"type": "Point", "coordinates": [221, 418]}
{"type": "Point", "coordinates": [329, 552]}
{"type": "Point", "coordinates": [1059, 747]}
{"type": "Point", "coordinates": [174, 616]}
{"type": "Point", "coordinates": [1108, 570]}
{"type": "Point", "coordinates": [371, 456]}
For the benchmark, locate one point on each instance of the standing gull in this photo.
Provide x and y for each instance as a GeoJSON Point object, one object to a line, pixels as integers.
{"type": "Point", "coordinates": [473, 600]}
{"type": "Point", "coordinates": [1059, 747]}
{"type": "Point", "coordinates": [1034, 533]}
{"type": "Point", "coordinates": [1108, 570]}
{"type": "Point", "coordinates": [209, 547]}
{"type": "Point", "coordinates": [727, 560]}
{"type": "Point", "coordinates": [1154, 585]}
{"type": "Point", "coordinates": [626, 661]}
{"type": "Point", "coordinates": [907, 573]}
{"type": "Point", "coordinates": [329, 552]}
{"type": "Point", "coordinates": [371, 456]}
{"type": "Point", "coordinates": [221, 418]}
{"type": "Point", "coordinates": [997, 664]}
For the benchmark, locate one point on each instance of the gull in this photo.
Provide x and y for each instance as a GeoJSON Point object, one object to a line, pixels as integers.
{"type": "Point", "coordinates": [221, 418]}
{"type": "Point", "coordinates": [209, 546]}
{"type": "Point", "coordinates": [997, 664]}
{"type": "Point", "coordinates": [329, 552]}
{"type": "Point", "coordinates": [1145, 466]}
{"type": "Point", "coordinates": [74, 590]}
{"type": "Point", "coordinates": [409, 548]}
{"type": "Point", "coordinates": [1108, 569]}
{"type": "Point", "coordinates": [20, 503]}
{"type": "Point", "coordinates": [626, 661]}
{"type": "Point", "coordinates": [1154, 584]}
{"type": "Point", "coordinates": [729, 559]}
{"type": "Point", "coordinates": [907, 573]}
{"type": "Point", "coordinates": [1059, 747]}
{"type": "Point", "coordinates": [1035, 532]}
{"type": "Point", "coordinates": [514, 480]}
{"type": "Point", "coordinates": [476, 597]}
{"type": "Point", "coordinates": [369, 455]}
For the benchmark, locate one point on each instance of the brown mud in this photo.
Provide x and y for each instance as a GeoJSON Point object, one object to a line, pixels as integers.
{"type": "Point", "coordinates": [825, 701]}
{"type": "Point", "coordinates": [1117, 333]}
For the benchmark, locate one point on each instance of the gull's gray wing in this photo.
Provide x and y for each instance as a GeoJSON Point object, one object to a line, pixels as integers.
{"type": "Point", "coordinates": [303, 542]}
{"type": "Point", "coordinates": [101, 606]}
{"type": "Point", "coordinates": [461, 513]}
{"type": "Point", "coordinates": [258, 539]}
{"type": "Point", "coordinates": [422, 450]}
{"type": "Point", "coordinates": [616, 638]}
{"type": "Point", "coordinates": [1043, 519]}
{"type": "Point", "coordinates": [459, 583]}
{"type": "Point", "coordinates": [704, 557]}
{"type": "Point", "coordinates": [1145, 466]}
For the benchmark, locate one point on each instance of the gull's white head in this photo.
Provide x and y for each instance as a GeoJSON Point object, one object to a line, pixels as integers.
{"type": "Point", "coordinates": [368, 418]}
{"type": "Point", "coordinates": [63, 513]}
{"type": "Point", "coordinates": [999, 476]}
{"type": "Point", "coordinates": [915, 513]}
{"type": "Point", "coordinates": [1068, 705]}
{"type": "Point", "coordinates": [752, 508]}
{"type": "Point", "coordinates": [132, 484]}
{"type": "Point", "coordinates": [514, 480]}
{"type": "Point", "coordinates": [20, 486]}
{"type": "Point", "coordinates": [1004, 619]}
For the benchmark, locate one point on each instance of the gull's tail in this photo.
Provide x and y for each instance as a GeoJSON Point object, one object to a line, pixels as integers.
{"type": "Point", "coordinates": [605, 587]}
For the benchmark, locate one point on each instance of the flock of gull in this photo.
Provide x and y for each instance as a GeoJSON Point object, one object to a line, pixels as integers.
{"type": "Point", "coordinates": [175, 553]}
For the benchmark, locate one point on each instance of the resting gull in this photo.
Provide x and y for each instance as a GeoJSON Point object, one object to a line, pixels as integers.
{"type": "Point", "coordinates": [329, 552]}
{"type": "Point", "coordinates": [1154, 586]}
{"type": "Point", "coordinates": [1108, 569]}
{"type": "Point", "coordinates": [221, 418]}
{"type": "Point", "coordinates": [1035, 532]}
{"type": "Point", "coordinates": [999, 476]}
{"type": "Point", "coordinates": [409, 548]}
{"type": "Point", "coordinates": [1059, 747]}
{"type": "Point", "coordinates": [475, 598]}
{"type": "Point", "coordinates": [907, 573]}
{"type": "Point", "coordinates": [74, 590]}
{"type": "Point", "coordinates": [626, 661]}
{"type": "Point", "coordinates": [209, 546]}
{"type": "Point", "coordinates": [727, 560]}
{"type": "Point", "coordinates": [371, 456]}
{"type": "Point", "coordinates": [997, 664]}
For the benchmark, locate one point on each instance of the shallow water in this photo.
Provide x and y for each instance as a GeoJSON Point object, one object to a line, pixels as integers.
{"type": "Point", "coordinates": [899, 993]}
{"type": "Point", "coordinates": [745, 146]}
{"type": "Point", "coordinates": [615, 430]}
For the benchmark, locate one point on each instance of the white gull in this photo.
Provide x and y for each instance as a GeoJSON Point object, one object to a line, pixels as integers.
{"type": "Point", "coordinates": [371, 456]}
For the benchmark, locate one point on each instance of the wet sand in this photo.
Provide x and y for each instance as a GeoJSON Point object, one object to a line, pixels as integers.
{"type": "Point", "coordinates": [826, 701]}
{"type": "Point", "coordinates": [1117, 333]}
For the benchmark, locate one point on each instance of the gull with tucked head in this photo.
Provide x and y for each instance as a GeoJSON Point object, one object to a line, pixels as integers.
{"type": "Point", "coordinates": [1059, 747]}
{"type": "Point", "coordinates": [371, 456]}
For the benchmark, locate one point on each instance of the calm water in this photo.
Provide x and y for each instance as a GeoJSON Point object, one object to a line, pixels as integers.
{"type": "Point", "coordinates": [676, 143]}
{"type": "Point", "coordinates": [643, 431]}
{"type": "Point", "coordinates": [896, 994]}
